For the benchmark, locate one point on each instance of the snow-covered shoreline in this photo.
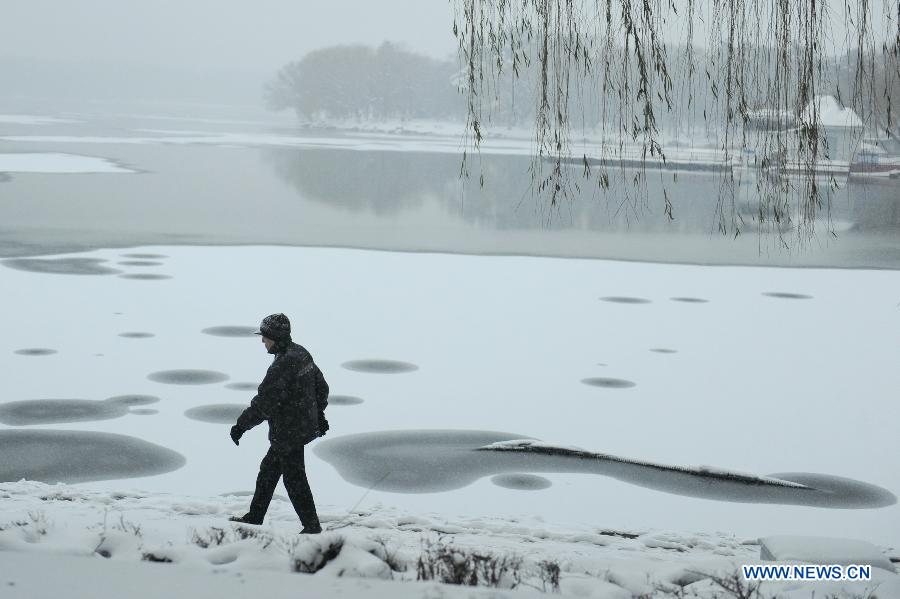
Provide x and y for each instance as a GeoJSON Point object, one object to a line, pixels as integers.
{"type": "Point", "coordinates": [79, 533]}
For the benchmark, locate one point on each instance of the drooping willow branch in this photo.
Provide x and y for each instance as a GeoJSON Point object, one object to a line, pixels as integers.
{"type": "Point", "coordinates": [632, 68]}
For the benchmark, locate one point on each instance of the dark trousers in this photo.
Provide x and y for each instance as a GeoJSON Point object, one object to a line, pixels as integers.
{"type": "Point", "coordinates": [292, 466]}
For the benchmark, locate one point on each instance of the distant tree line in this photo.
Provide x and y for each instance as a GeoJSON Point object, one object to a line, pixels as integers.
{"type": "Point", "coordinates": [361, 82]}
{"type": "Point", "coordinates": [368, 83]}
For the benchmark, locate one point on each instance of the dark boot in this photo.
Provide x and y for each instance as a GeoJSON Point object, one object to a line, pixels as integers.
{"type": "Point", "coordinates": [246, 519]}
{"type": "Point", "coordinates": [310, 530]}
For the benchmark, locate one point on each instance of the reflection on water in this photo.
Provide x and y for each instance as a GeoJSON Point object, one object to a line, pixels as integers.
{"type": "Point", "coordinates": [384, 183]}
{"type": "Point", "coordinates": [389, 183]}
{"type": "Point", "coordinates": [401, 200]}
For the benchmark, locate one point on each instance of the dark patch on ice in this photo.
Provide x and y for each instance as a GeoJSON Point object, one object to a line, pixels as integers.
{"type": "Point", "coordinates": [417, 461]}
{"type": "Point", "coordinates": [690, 300]}
{"type": "Point", "coordinates": [145, 276]}
{"type": "Point", "coordinates": [841, 492]}
{"type": "Point", "coordinates": [429, 461]}
{"type": "Point", "coordinates": [230, 331]}
{"type": "Point", "coordinates": [664, 350]}
{"type": "Point", "coordinates": [521, 482]}
{"type": "Point", "coordinates": [144, 412]}
{"type": "Point", "coordinates": [344, 400]}
{"type": "Point", "coordinates": [784, 295]}
{"type": "Point", "coordinates": [223, 413]}
{"type": "Point", "coordinates": [136, 335]}
{"type": "Point", "coordinates": [145, 256]}
{"type": "Point", "coordinates": [242, 386]}
{"type": "Point", "coordinates": [51, 411]}
{"type": "Point", "coordinates": [139, 263]}
{"type": "Point", "coordinates": [601, 363]}
{"type": "Point", "coordinates": [599, 381]}
{"type": "Point", "coordinates": [53, 456]}
{"type": "Point", "coordinates": [379, 366]}
{"type": "Point", "coordinates": [625, 300]}
{"type": "Point", "coordinates": [62, 266]}
{"type": "Point", "coordinates": [187, 377]}
{"type": "Point", "coordinates": [35, 351]}
{"type": "Point", "coordinates": [133, 400]}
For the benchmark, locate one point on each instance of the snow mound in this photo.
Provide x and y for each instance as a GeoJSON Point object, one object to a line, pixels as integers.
{"type": "Point", "coordinates": [822, 550]}
{"type": "Point", "coordinates": [84, 535]}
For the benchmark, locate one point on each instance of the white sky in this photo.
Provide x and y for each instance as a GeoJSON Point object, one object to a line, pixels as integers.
{"type": "Point", "coordinates": [239, 34]}
{"type": "Point", "coordinates": [224, 50]}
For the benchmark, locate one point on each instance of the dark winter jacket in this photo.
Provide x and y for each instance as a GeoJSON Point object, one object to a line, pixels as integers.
{"type": "Point", "coordinates": [291, 397]}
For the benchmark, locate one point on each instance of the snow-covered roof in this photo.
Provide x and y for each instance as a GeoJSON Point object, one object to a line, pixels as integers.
{"type": "Point", "coordinates": [831, 113]}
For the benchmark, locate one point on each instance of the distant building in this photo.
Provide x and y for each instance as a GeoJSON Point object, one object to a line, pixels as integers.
{"type": "Point", "coordinates": [843, 129]}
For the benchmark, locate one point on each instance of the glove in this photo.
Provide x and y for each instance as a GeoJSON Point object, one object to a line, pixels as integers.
{"type": "Point", "coordinates": [323, 424]}
{"type": "Point", "coordinates": [236, 433]}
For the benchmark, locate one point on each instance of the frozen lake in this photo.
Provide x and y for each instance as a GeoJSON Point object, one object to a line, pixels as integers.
{"type": "Point", "coordinates": [777, 371]}
{"type": "Point", "coordinates": [121, 341]}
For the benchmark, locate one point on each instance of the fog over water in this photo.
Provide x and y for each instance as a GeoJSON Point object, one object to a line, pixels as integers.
{"type": "Point", "coordinates": [202, 51]}
{"type": "Point", "coordinates": [252, 193]}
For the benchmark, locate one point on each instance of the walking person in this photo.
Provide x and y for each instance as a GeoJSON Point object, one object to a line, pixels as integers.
{"type": "Point", "coordinates": [292, 398]}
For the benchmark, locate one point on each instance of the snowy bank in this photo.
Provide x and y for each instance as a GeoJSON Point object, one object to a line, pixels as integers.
{"type": "Point", "coordinates": [107, 544]}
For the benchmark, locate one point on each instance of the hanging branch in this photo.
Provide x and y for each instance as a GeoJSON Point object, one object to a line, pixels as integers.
{"type": "Point", "coordinates": [635, 61]}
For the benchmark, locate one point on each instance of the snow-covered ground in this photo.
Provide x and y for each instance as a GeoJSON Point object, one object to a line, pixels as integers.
{"type": "Point", "coordinates": [109, 544]}
{"type": "Point", "coordinates": [751, 370]}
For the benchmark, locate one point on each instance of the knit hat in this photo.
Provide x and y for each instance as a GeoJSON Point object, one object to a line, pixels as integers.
{"type": "Point", "coordinates": [275, 326]}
